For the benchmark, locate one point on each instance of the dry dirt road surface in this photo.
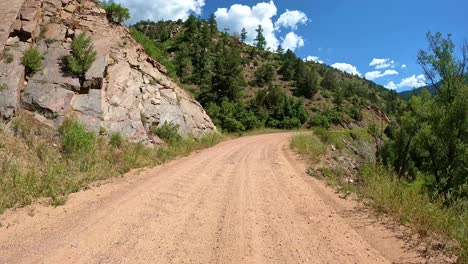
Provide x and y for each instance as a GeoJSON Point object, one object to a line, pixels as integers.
{"type": "Point", "coordinates": [246, 200]}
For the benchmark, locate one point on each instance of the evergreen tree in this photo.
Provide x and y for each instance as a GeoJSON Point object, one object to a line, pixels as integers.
{"type": "Point", "coordinates": [260, 41]}
{"type": "Point", "coordinates": [82, 56]}
{"type": "Point", "coordinates": [280, 49]}
{"type": "Point", "coordinates": [289, 65]}
{"type": "Point", "coordinates": [228, 79]}
{"type": "Point", "coordinates": [191, 25]}
{"type": "Point", "coordinates": [243, 36]}
{"type": "Point", "coordinates": [308, 84]}
{"type": "Point", "coordinates": [213, 24]}
{"type": "Point", "coordinates": [329, 80]}
{"type": "Point", "coordinates": [184, 67]}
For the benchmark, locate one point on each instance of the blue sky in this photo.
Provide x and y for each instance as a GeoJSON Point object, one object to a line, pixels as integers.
{"type": "Point", "coordinates": [344, 33]}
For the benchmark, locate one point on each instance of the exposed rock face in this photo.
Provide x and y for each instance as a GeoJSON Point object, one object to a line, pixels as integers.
{"type": "Point", "coordinates": [124, 91]}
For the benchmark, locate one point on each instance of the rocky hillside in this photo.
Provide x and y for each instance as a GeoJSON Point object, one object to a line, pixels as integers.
{"type": "Point", "coordinates": [124, 91]}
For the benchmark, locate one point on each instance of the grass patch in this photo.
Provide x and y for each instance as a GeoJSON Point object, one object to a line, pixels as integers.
{"type": "Point", "coordinates": [36, 163]}
{"type": "Point", "coordinates": [308, 144]}
{"type": "Point", "coordinates": [410, 203]}
{"type": "Point", "coordinates": [168, 132]}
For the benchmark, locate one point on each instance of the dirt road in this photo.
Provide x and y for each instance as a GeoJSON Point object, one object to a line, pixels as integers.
{"type": "Point", "coordinates": [246, 200]}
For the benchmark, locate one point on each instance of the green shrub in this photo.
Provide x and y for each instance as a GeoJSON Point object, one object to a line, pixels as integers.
{"type": "Point", "coordinates": [32, 61]}
{"type": "Point", "coordinates": [168, 132]}
{"type": "Point", "coordinates": [75, 138]}
{"type": "Point", "coordinates": [232, 125]}
{"type": "Point", "coordinates": [320, 121]}
{"type": "Point", "coordinates": [116, 13]}
{"type": "Point", "coordinates": [356, 114]}
{"type": "Point", "coordinates": [116, 140]}
{"type": "Point", "coordinates": [82, 55]}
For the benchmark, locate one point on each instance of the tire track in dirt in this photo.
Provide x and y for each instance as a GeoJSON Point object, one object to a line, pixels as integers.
{"type": "Point", "coordinates": [245, 200]}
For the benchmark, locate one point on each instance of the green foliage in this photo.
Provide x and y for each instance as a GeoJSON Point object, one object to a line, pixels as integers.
{"type": "Point", "coordinates": [264, 75]}
{"type": "Point", "coordinates": [82, 55]}
{"type": "Point", "coordinates": [39, 169]}
{"type": "Point", "coordinates": [243, 36]}
{"type": "Point", "coordinates": [288, 67]}
{"type": "Point", "coordinates": [356, 114]}
{"type": "Point", "coordinates": [32, 61]}
{"type": "Point", "coordinates": [307, 82]}
{"type": "Point", "coordinates": [412, 203]}
{"type": "Point", "coordinates": [308, 144]}
{"type": "Point", "coordinates": [116, 13]}
{"type": "Point", "coordinates": [153, 50]}
{"type": "Point", "coordinates": [217, 68]}
{"type": "Point", "coordinates": [168, 132]}
{"type": "Point", "coordinates": [228, 81]}
{"type": "Point", "coordinates": [260, 41]}
{"type": "Point", "coordinates": [3, 86]}
{"type": "Point", "coordinates": [327, 118]}
{"type": "Point", "coordinates": [116, 140]}
{"type": "Point", "coordinates": [278, 110]}
{"type": "Point", "coordinates": [75, 138]}
{"type": "Point", "coordinates": [432, 135]}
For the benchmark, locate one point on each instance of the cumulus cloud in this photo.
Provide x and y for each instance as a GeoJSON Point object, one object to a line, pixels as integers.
{"type": "Point", "coordinates": [292, 41]}
{"type": "Point", "coordinates": [290, 19]}
{"type": "Point", "coordinates": [241, 16]}
{"type": "Point", "coordinates": [412, 82]}
{"type": "Point", "coordinates": [346, 68]}
{"type": "Point", "coordinates": [378, 74]}
{"type": "Point", "coordinates": [313, 58]}
{"type": "Point", "coordinates": [382, 63]}
{"type": "Point", "coordinates": [162, 9]}
{"type": "Point", "coordinates": [403, 66]}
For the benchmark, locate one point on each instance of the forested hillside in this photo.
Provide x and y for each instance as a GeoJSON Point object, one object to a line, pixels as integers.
{"type": "Point", "coordinates": [244, 87]}
{"type": "Point", "coordinates": [418, 91]}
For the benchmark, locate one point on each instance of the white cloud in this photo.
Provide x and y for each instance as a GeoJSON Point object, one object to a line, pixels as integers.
{"type": "Point", "coordinates": [412, 82]}
{"type": "Point", "coordinates": [290, 19]}
{"type": "Point", "coordinates": [391, 85]}
{"type": "Point", "coordinates": [382, 63]}
{"type": "Point", "coordinates": [378, 74]}
{"type": "Point", "coordinates": [346, 68]}
{"type": "Point", "coordinates": [162, 9]}
{"type": "Point", "coordinates": [240, 16]}
{"type": "Point", "coordinates": [403, 66]}
{"type": "Point", "coordinates": [292, 41]}
{"type": "Point", "coordinates": [313, 58]}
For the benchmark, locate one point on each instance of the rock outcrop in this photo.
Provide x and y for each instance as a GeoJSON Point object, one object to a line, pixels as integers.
{"type": "Point", "coordinates": [124, 91]}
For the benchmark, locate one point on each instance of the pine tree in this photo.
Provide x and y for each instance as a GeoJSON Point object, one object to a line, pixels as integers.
{"type": "Point", "coordinates": [260, 41]}
{"type": "Point", "coordinates": [213, 24]}
{"type": "Point", "coordinates": [228, 79]}
{"type": "Point", "coordinates": [192, 28]}
{"type": "Point", "coordinates": [280, 49]}
{"type": "Point", "coordinates": [82, 56]}
{"type": "Point", "coordinates": [243, 36]}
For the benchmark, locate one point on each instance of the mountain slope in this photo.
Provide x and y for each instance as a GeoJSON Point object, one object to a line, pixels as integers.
{"type": "Point", "coordinates": [124, 91]}
{"type": "Point", "coordinates": [201, 57]}
{"type": "Point", "coordinates": [407, 94]}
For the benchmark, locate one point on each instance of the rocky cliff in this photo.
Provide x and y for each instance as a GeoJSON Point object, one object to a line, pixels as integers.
{"type": "Point", "coordinates": [124, 91]}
